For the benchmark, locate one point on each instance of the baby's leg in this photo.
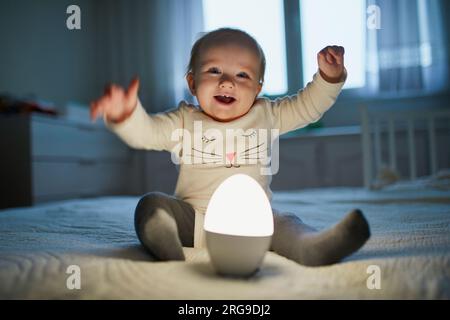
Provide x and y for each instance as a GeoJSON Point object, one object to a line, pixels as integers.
{"type": "Point", "coordinates": [164, 224]}
{"type": "Point", "coordinates": [299, 242]}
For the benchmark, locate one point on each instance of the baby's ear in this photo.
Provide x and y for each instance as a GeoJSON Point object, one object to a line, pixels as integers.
{"type": "Point", "coordinates": [191, 82]}
{"type": "Point", "coordinates": [260, 85]}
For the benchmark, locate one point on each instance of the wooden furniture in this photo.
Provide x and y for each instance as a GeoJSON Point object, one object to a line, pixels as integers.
{"type": "Point", "coordinates": [404, 140]}
{"type": "Point", "coordinates": [47, 158]}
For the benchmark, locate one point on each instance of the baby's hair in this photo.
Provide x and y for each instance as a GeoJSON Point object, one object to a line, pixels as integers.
{"type": "Point", "coordinates": [226, 36]}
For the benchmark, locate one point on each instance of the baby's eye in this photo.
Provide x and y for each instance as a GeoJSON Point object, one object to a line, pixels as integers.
{"type": "Point", "coordinates": [243, 75]}
{"type": "Point", "coordinates": [213, 70]}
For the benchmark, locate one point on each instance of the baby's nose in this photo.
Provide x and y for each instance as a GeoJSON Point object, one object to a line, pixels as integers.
{"type": "Point", "coordinates": [226, 83]}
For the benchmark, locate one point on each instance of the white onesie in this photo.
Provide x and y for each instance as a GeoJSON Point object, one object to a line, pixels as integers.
{"type": "Point", "coordinates": [209, 151]}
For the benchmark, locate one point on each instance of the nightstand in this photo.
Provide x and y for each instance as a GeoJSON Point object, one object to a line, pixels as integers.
{"type": "Point", "coordinates": [46, 158]}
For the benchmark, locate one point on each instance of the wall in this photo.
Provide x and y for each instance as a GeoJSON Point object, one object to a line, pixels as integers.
{"type": "Point", "coordinates": [41, 57]}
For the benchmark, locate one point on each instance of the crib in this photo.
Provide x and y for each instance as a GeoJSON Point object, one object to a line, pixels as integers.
{"type": "Point", "coordinates": [383, 122]}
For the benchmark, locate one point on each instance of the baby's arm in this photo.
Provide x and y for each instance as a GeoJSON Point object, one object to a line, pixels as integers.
{"type": "Point", "coordinates": [124, 115]}
{"type": "Point", "coordinates": [318, 96]}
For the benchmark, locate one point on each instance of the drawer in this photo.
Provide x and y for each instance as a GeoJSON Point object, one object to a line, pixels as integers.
{"type": "Point", "coordinates": [71, 179]}
{"type": "Point", "coordinates": [55, 139]}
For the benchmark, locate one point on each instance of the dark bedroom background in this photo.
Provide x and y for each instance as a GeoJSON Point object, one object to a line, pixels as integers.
{"type": "Point", "coordinates": [49, 74]}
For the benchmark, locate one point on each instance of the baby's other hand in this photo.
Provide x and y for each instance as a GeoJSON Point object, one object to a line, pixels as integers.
{"type": "Point", "coordinates": [331, 63]}
{"type": "Point", "coordinates": [116, 103]}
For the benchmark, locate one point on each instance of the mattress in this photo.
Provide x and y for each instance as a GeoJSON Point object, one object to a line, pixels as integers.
{"type": "Point", "coordinates": [407, 256]}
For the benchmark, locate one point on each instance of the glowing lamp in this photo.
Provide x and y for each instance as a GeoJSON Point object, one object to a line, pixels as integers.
{"type": "Point", "coordinates": [238, 226]}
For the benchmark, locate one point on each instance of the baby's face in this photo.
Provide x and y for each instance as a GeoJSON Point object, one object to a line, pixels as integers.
{"type": "Point", "coordinates": [226, 81]}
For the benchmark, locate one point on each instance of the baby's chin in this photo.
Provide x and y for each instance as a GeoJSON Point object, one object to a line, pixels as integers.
{"type": "Point", "coordinates": [223, 116]}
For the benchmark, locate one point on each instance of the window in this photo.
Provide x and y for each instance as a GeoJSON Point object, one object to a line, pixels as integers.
{"type": "Point", "coordinates": [321, 23]}
{"type": "Point", "coordinates": [252, 17]}
{"type": "Point", "coordinates": [329, 22]}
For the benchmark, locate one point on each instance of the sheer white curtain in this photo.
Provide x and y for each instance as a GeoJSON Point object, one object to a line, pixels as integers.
{"type": "Point", "coordinates": [409, 54]}
{"type": "Point", "coordinates": [151, 39]}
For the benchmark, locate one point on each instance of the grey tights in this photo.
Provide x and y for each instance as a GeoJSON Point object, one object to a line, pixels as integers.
{"type": "Point", "coordinates": [164, 224]}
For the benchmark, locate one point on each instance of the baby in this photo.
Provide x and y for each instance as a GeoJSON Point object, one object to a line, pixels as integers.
{"type": "Point", "coordinates": [226, 74]}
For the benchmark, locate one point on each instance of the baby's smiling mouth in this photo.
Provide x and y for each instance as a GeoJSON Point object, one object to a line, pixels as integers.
{"type": "Point", "coordinates": [225, 99]}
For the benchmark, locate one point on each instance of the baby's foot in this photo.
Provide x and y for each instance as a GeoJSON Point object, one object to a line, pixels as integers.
{"type": "Point", "coordinates": [334, 244]}
{"type": "Point", "coordinates": [160, 236]}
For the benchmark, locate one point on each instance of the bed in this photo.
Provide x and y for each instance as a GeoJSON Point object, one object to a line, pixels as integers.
{"type": "Point", "coordinates": [407, 257]}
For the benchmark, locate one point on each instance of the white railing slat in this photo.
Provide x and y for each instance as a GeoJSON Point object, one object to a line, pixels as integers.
{"type": "Point", "coordinates": [432, 142]}
{"type": "Point", "coordinates": [392, 150]}
{"type": "Point", "coordinates": [412, 150]}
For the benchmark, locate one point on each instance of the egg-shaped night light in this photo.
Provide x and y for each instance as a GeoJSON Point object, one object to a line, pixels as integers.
{"type": "Point", "coordinates": [238, 226]}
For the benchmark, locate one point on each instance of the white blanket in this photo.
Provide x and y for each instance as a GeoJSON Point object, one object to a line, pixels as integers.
{"type": "Point", "coordinates": [410, 246]}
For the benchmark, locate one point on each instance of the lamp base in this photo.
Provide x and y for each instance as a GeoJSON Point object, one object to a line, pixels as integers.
{"type": "Point", "coordinates": [239, 256]}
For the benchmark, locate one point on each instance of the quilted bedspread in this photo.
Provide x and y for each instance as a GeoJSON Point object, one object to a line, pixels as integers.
{"type": "Point", "coordinates": [407, 257]}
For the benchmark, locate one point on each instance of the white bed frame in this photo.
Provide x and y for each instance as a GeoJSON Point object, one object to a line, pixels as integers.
{"type": "Point", "coordinates": [373, 123]}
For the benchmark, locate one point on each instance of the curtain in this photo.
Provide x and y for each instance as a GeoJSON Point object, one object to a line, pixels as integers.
{"type": "Point", "coordinates": [409, 53]}
{"type": "Point", "coordinates": [151, 39]}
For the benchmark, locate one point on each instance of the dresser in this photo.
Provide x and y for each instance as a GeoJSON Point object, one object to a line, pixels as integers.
{"type": "Point", "coordinates": [45, 158]}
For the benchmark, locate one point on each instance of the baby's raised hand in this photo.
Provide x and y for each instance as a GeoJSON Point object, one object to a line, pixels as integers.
{"type": "Point", "coordinates": [331, 63]}
{"type": "Point", "coordinates": [116, 103]}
